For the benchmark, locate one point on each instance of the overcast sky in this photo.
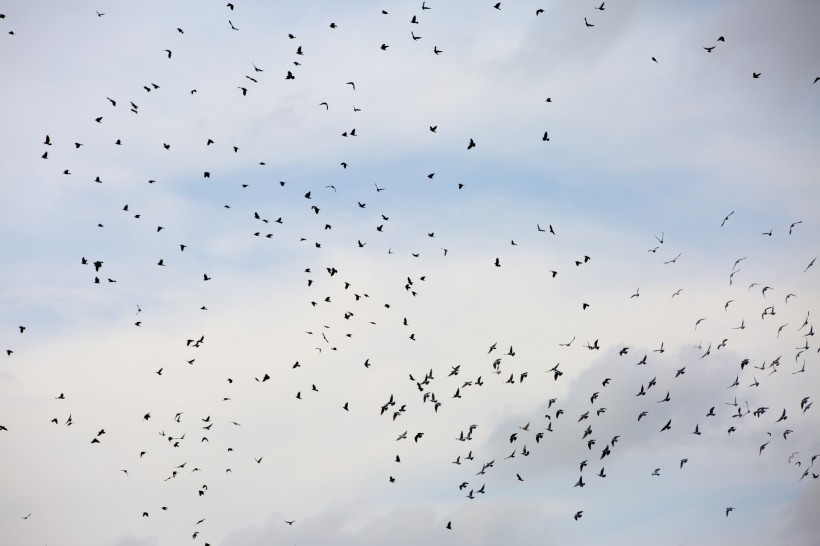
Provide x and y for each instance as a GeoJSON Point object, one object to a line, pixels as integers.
{"type": "Point", "coordinates": [320, 225]}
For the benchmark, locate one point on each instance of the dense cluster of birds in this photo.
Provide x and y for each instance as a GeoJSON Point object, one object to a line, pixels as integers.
{"type": "Point", "coordinates": [580, 420]}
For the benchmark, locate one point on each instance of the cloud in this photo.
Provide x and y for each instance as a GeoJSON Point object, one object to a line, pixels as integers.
{"type": "Point", "coordinates": [637, 149]}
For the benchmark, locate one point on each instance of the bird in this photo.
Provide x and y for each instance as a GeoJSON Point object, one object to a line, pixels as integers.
{"type": "Point", "coordinates": [587, 23]}
{"type": "Point", "coordinates": [168, 51]}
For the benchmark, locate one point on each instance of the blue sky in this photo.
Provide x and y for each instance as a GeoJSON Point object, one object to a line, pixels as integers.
{"type": "Point", "coordinates": [639, 151]}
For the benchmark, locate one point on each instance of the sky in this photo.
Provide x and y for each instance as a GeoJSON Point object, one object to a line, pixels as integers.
{"type": "Point", "coordinates": [467, 257]}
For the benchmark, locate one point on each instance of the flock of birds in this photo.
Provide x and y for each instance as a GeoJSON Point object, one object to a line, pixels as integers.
{"type": "Point", "coordinates": [440, 385]}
